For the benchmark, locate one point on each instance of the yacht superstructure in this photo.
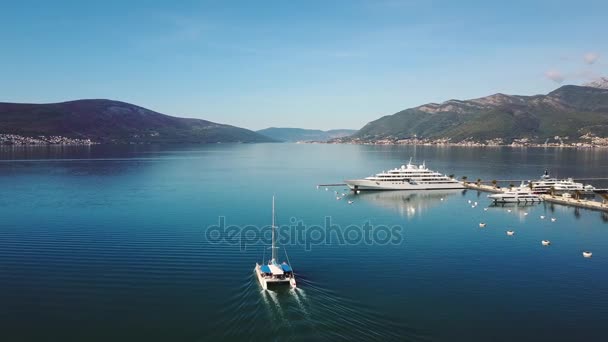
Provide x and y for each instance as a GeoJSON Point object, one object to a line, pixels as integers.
{"type": "Point", "coordinates": [406, 177]}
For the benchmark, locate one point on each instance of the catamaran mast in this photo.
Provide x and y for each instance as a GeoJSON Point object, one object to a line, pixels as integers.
{"type": "Point", "coordinates": [274, 249]}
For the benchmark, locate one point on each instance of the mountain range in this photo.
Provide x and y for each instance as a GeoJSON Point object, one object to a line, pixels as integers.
{"type": "Point", "coordinates": [304, 135]}
{"type": "Point", "coordinates": [569, 111]}
{"type": "Point", "coordinates": [575, 112]}
{"type": "Point", "coordinates": [107, 121]}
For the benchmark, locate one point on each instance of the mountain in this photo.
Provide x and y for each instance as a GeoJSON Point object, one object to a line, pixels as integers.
{"type": "Point", "coordinates": [601, 82]}
{"type": "Point", "coordinates": [300, 134]}
{"type": "Point", "coordinates": [571, 111]}
{"type": "Point", "coordinates": [107, 121]}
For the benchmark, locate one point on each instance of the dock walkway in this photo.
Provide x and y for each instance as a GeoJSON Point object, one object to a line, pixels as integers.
{"type": "Point", "coordinates": [554, 199]}
{"type": "Point", "coordinates": [577, 203]}
{"type": "Point", "coordinates": [486, 188]}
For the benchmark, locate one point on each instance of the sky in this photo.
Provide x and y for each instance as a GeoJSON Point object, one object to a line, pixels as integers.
{"type": "Point", "coordinates": [308, 64]}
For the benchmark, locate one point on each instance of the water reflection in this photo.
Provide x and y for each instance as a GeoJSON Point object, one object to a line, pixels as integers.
{"type": "Point", "coordinates": [517, 206]}
{"type": "Point", "coordinates": [406, 202]}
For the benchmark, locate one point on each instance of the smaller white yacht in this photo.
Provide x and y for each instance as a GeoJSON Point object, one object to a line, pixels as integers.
{"type": "Point", "coordinates": [273, 272]}
{"type": "Point", "coordinates": [518, 195]}
{"type": "Point", "coordinates": [548, 184]}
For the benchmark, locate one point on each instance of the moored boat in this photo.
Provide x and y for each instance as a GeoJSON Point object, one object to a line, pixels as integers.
{"type": "Point", "coordinates": [406, 177]}
{"type": "Point", "coordinates": [519, 195]}
{"type": "Point", "coordinates": [547, 184]}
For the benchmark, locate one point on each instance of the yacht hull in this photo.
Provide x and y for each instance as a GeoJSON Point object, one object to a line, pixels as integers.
{"type": "Point", "coordinates": [365, 184]}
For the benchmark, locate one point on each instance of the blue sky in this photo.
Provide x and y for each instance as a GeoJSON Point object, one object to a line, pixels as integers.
{"type": "Point", "coordinates": [311, 64]}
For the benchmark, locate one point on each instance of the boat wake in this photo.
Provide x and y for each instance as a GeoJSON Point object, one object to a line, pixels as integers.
{"type": "Point", "coordinates": [300, 297]}
{"type": "Point", "coordinates": [308, 312]}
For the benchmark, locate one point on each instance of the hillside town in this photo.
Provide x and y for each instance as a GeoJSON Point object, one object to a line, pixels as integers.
{"type": "Point", "coordinates": [15, 139]}
{"type": "Point", "coordinates": [585, 141]}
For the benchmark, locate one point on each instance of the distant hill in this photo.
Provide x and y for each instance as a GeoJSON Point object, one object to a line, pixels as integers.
{"type": "Point", "coordinates": [571, 111]}
{"type": "Point", "coordinates": [601, 82]}
{"type": "Point", "coordinates": [300, 134]}
{"type": "Point", "coordinates": [107, 121]}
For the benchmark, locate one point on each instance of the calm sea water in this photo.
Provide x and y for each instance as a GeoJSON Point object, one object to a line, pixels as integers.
{"type": "Point", "coordinates": [108, 243]}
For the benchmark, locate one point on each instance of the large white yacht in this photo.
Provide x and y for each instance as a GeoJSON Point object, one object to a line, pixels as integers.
{"type": "Point", "coordinates": [547, 184]}
{"type": "Point", "coordinates": [407, 177]}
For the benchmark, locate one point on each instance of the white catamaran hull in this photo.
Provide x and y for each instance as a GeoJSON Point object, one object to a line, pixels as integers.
{"type": "Point", "coordinates": [271, 281]}
{"type": "Point", "coordinates": [261, 279]}
{"type": "Point", "coordinates": [365, 184]}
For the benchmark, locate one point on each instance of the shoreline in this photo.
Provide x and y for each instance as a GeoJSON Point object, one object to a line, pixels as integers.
{"type": "Point", "coordinates": [584, 141]}
{"type": "Point", "coordinates": [573, 145]}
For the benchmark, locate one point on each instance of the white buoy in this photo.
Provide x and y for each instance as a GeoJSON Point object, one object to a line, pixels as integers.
{"type": "Point", "coordinates": [587, 254]}
{"type": "Point", "coordinates": [358, 191]}
{"type": "Point", "coordinates": [553, 219]}
{"type": "Point", "coordinates": [343, 194]}
{"type": "Point", "coordinates": [508, 210]}
{"type": "Point", "coordinates": [545, 242]}
{"type": "Point", "coordinates": [442, 199]}
{"type": "Point", "coordinates": [350, 202]}
{"type": "Point", "coordinates": [542, 217]}
{"type": "Point", "coordinates": [338, 198]}
{"type": "Point", "coordinates": [475, 203]}
{"type": "Point", "coordinates": [470, 201]}
{"type": "Point", "coordinates": [472, 206]}
{"type": "Point", "coordinates": [525, 214]}
{"type": "Point", "coordinates": [510, 232]}
{"type": "Point", "coordinates": [485, 209]}
{"type": "Point", "coordinates": [482, 225]}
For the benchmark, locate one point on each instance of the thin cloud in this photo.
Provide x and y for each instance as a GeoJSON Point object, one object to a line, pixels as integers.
{"type": "Point", "coordinates": [554, 76]}
{"type": "Point", "coordinates": [591, 57]}
{"type": "Point", "coordinates": [585, 74]}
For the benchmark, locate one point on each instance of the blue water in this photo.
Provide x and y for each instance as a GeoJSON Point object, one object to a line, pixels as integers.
{"type": "Point", "coordinates": [108, 243]}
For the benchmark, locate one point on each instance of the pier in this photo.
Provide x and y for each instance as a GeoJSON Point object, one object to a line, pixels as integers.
{"type": "Point", "coordinates": [517, 181]}
{"type": "Point", "coordinates": [576, 202]}
{"type": "Point", "coordinates": [481, 187]}
{"type": "Point", "coordinates": [582, 203]}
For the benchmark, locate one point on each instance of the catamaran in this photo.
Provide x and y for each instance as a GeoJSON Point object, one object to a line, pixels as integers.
{"type": "Point", "coordinates": [273, 273]}
{"type": "Point", "coordinates": [407, 177]}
